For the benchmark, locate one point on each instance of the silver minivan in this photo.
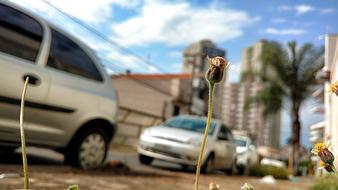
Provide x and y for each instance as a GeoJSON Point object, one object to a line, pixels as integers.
{"type": "Point", "coordinates": [70, 103]}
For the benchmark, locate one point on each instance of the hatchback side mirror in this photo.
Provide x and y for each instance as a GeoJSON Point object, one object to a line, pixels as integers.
{"type": "Point", "coordinates": [222, 137]}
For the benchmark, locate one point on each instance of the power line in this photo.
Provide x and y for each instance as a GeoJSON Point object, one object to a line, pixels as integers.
{"type": "Point", "coordinates": [102, 36]}
{"type": "Point", "coordinates": [113, 67]}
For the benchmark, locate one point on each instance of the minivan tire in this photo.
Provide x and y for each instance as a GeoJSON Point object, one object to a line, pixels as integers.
{"type": "Point", "coordinates": [96, 143]}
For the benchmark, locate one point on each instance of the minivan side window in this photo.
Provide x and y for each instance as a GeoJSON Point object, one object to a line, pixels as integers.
{"type": "Point", "coordinates": [66, 55]}
{"type": "Point", "coordinates": [20, 34]}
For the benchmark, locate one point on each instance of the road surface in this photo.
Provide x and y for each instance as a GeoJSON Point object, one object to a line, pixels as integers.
{"type": "Point", "coordinates": [47, 171]}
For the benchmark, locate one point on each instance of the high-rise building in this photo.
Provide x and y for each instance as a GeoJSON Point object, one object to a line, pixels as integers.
{"type": "Point", "coordinates": [196, 92]}
{"type": "Point", "coordinates": [265, 130]}
{"type": "Point", "coordinates": [230, 110]}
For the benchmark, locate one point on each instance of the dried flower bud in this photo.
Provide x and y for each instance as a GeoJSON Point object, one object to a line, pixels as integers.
{"type": "Point", "coordinates": [213, 186]}
{"type": "Point", "coordinates": [247, 186]}
{"type": "Point", "coordinates": [215, 72]}
{"type": "Point", "coordinates": [326, 156]}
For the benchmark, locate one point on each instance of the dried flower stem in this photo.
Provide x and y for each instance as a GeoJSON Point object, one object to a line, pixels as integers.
{"type": "Point", "coordinates": [200, 157]}
{"type": "Point", "coordinates": [334, 170]}
{"type": "Point", "coordinates": [22, 134]}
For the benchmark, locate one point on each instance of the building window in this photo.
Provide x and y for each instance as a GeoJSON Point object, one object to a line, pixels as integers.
{"type": "Point", "coordinates": [176, 110]}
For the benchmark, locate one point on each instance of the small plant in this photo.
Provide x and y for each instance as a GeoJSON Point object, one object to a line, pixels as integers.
{"type": "Point", "coordinates": [328, 182]}
{"type": "Point", "coordinates": [213, 75]}
{"type": "Point", "coordinates": [326, 157]}
{"type": "Point", "coordinates": [23, 140]}
{"type": "Point", "coordinates": [247, 186]}
{"type": "Point", "coordinates": [263, 170]}
{"type": "Point", "coordinates": [73, 187]}
{"type": "Point", "coordinates": [334, 88]}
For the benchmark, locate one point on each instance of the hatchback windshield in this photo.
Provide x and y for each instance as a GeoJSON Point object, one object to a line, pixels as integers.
{"type": "Point", "coordinates": [240, 142]}
{"type": "Point", "coordinates": [191, 124]}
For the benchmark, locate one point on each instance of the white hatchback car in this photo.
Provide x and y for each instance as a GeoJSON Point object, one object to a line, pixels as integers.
{"type": "Point", "coordinates": [178, 140]}
{"type": "Point", "coordinates": [70, 103]}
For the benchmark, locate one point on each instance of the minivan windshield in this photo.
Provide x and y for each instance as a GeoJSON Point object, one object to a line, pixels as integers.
{"type": "Point", "coordinates": [191, 124]}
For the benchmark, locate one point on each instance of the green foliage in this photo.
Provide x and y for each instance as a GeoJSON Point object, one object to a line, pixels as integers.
{"type": "Point", "coordinates": [329, 182]}
{"type": "Point", "coordinates": [263, 170]}
{"type": "Point", "coordinates": [288, 72]}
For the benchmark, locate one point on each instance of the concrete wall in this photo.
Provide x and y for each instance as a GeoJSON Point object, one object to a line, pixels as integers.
{"type": "Point", "coordinates": [331, 101]}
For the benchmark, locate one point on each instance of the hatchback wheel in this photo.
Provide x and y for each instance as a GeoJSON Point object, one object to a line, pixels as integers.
{"type": "Point", "coordinates": [232, 169]}
{"type": "Point", "coordinates": [209, 164]}
{"type": "Point", "coordinates": [88, 150]}
{"type": "Point", "coordinates": [145, 159]}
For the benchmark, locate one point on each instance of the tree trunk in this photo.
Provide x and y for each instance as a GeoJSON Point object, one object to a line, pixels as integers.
{"type": "Point", "coordinates": [295, 140]}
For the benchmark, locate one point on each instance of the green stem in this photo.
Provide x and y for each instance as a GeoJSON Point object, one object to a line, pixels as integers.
{"type": "Point", "coordinates": [200, 157]}
{"type": "Point", "coordinates": [22, 134]}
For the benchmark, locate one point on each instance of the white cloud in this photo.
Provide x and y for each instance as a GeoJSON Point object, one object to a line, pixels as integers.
{"type": "Point", "coordinates": [278, 20]}
{"type": "Point", "coordinates": [320, 37]}
{"type": "Point", "coordinates": [175, 54]}
{"type": "Point", "coordinates": [289, 31]}
{"type": "Point", "coordinates": [326, 11]}
{"type": "Point", "coordinates": [180, 23]}
{"type": "Point", "coordinates": [129, 62]}
{"type": "Point", "coordinates": [86, 10]}
{"type": "Point", "coordinates": [175, 67]}
{"type": "Point", "coordinates": [285, 8]}
{"type": "Point", "coordinates": [233, 72]}
{"type": "Point", "coordinates": [299, 9]}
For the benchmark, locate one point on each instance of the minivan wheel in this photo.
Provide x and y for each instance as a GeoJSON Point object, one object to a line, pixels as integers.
{"type": "Point", "coordinates": [88, 150]}
{"type": "Point", "coordinates": [7, 149]}
{"type": "Point", "coordinates": [145, 159]}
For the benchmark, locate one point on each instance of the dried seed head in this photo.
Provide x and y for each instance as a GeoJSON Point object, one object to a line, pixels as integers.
{"type": "Point", "coordinates": [247, 186]}
{"type": "Point", "coordinates": [322, 150]}
{"type": "Point", "coordinates": [215, 72]}
{"type": "Point", "coordinates": [327, 167]}
{"type": "Point", "coordinates": [326, 156]}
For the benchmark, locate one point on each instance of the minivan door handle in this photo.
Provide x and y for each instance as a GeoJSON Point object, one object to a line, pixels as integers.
{"type": "Point", "coordinates": [33, 79]}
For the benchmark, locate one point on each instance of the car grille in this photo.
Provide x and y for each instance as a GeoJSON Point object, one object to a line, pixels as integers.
{"type": "Point", "coordinates": [166, 153]}
{"type": "Point", "coordinates": [169, 139]}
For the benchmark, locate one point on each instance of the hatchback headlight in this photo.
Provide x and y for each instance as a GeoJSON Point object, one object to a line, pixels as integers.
{"type": "Point", "coordinates": [195, 141]}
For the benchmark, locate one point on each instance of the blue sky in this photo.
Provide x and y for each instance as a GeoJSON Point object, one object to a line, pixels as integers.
{"type": "Point", "coordinates": [158, 31]}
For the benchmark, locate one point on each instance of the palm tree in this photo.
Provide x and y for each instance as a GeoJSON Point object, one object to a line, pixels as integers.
{"type": "Point", "coordinates": [288, 73]}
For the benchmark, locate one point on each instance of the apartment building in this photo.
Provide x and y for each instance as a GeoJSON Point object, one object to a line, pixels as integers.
{"type": "Point", "coordinates": [331, 101]}
{"type": "Point", "coordinates": [196, 63]}
{"type": "Point", "coordinates": [230, 106]}
{"type": "Point", "coordinates": [265, 130]}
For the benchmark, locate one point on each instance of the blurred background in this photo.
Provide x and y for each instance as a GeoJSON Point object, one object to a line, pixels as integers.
{"type": "Point", "coordinates": [155, 52]}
